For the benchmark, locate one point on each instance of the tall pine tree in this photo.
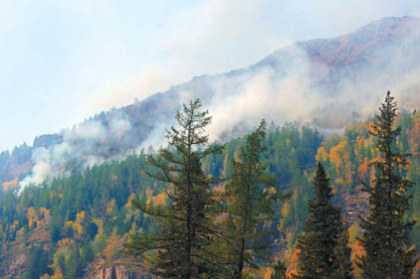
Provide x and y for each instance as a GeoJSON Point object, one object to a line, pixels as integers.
{"type": "Point", "coordinates": [318, 243]}
{"type": "Point", "coordinates": [386, 233]}
{"type": "Point", "coordinates": [250, 205]}
{"type": "Point", "coordinates": [182, 246]}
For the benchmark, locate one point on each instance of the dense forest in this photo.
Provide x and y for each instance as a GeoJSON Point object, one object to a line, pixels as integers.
{"type": "Point", "coordinates": [76, 226]}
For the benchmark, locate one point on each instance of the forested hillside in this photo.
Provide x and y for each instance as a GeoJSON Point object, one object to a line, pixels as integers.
{"type": "Point", "coordinates": [65, 225]}
{"type": "Point", "coordinates": [65, 202]}
{"type": "Point", "coordinates": [76, 225]}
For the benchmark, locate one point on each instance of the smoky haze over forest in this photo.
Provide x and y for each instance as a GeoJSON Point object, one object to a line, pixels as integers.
{"type": "Point", "coordinates": [327, 83]}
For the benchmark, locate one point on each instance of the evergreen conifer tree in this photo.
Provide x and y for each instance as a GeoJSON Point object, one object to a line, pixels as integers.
{"type": "Point", "coordinates": [386, 233]}
{"type": "Point", "coordinates": [250, 205]}
{"type": "Point", "coordinates": [182, 245]}
{"type": "Point", "coordinates": [343, 256]}
{"type": "Point", "coordinates": [318, 243]}
{"type": "Point", "coordinates": [279, 271]}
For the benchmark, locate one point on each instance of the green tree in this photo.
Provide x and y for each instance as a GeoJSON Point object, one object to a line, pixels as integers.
{"type": "Point", "coordinates": [343, 256]}
{"type": "Point", "coordinates": [38, 262]}
{"type": "Point", "coordinates": [279, 271]}
{"type": "Point", "coordinates": [182, 246]}
{"type": "Point", "coordinates": [250, 205]}
{"type": "Point", "coordinates": [323, 226]}
{"type": "Point", "coordinates": [386, 233]}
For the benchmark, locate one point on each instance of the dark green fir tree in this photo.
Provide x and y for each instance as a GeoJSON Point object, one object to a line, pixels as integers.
{"type": "Point", "coordinates": [181, 248]}
{"type": "Point", "coordinates": [323, 227]}
{"type": "Point", "coordinates": [250, 205]}
{"type": "Point", "coordinates": [343, 256]}
{"type": "Point", "coordinates": [386, 231]}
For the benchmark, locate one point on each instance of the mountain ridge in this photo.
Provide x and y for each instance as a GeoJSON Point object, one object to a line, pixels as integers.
{"type": "Point", "coordinates": [323, 66]}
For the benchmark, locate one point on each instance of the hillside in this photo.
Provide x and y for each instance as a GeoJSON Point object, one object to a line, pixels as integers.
{"type": "Point", "coordinates": [318, 82]}
{"type": "Point", "coordinates": [77, 225]}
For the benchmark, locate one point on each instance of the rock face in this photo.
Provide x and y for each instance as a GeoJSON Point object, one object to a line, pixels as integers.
{"type": "Point", "coordinates": [357, 47]}
{"type": "Point", "coordinates": [332, 76]}
{"type": "Point", "coordinates": [15, 268]}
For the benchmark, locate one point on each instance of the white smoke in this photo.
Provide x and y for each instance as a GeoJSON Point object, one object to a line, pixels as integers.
{"type": "Point", "coordinates": [296, 90]}
{"type": "Point", "coordinates": [264, 95]}
{"type": "Point", "coordinates": [91, 143]}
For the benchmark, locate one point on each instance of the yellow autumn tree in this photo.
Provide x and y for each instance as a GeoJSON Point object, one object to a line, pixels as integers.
{"type": "Point", "coordinates": [58, 273]}
{"type": "Point", "coordinates": [113, 246]}
{"type": "Point", "coordinates": [32, 217]}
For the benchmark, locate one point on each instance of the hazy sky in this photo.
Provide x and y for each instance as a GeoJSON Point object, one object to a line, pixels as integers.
{"type": "Point", "coordinates": [64, 60]}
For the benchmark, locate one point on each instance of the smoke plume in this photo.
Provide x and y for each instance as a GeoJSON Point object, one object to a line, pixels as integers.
{"type": "Point", "coordinates": [325, 83]}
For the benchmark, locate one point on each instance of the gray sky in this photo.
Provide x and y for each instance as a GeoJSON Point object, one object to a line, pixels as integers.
{"type": "Point", "coordinates": [64, 60]}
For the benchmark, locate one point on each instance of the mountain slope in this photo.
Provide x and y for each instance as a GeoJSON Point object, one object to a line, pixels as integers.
{"type": "Point", "coordinates": [81, 221]}
{"type": "Point", "coordinates": [321, 82]}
